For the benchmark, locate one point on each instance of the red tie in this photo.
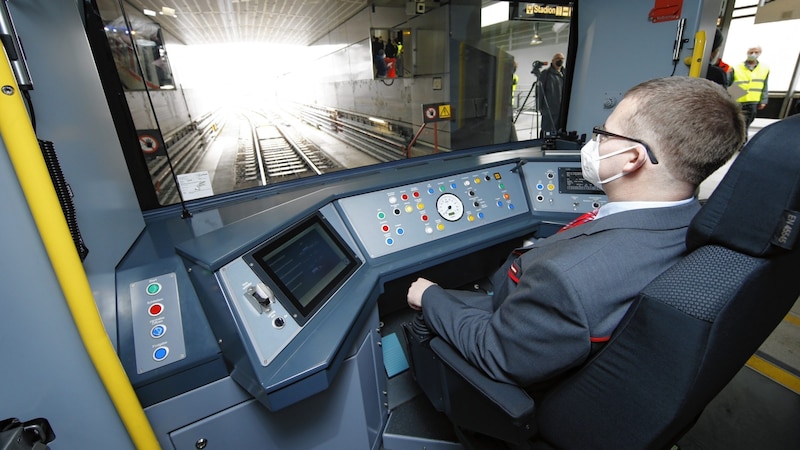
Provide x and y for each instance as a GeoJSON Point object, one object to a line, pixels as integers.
{"type": "Point", "coordinates": [582, 219]}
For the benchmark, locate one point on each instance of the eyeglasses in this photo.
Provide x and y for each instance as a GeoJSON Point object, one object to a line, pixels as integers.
{"type": "Point", "coordinates": [601, 132]}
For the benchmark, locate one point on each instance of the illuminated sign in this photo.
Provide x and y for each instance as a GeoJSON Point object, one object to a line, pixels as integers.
{"type": "Point", "coordinates": [542, 11]}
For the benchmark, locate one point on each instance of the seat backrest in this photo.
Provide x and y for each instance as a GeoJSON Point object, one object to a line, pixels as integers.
{"type": "Point", "coordinates": [693, 328]}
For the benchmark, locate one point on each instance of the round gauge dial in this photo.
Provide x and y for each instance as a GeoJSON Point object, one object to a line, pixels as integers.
{"type": "Point", "coordinates": [450, 207]}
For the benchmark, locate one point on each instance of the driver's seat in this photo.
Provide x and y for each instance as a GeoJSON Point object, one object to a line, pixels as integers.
{"type": "Point", "coordinates": [683, 339]}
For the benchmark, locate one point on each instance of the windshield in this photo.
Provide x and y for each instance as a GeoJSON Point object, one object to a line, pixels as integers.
{"type": "Point", "coordinates": [227, 111]}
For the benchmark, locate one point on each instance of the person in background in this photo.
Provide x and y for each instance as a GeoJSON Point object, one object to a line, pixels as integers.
{"type": "Point", "coordinates": [553, 303]}
{"type": "Point", "coordinates": [714, 72]}
{"type": "Point", "coordinates": [751, 76]}
{"type": "Point", "coordinates": [514, 83]}
{"type": "Point", "coordinates": [549, 92]}
{"type": "Point", "coordinates": [381, 69]}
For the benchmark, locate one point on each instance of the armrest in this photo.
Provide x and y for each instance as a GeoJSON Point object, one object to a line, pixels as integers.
{"type": "Point", "coordinates": [474, 401]}
{"type": "Point", "coordinates": [511, 399]}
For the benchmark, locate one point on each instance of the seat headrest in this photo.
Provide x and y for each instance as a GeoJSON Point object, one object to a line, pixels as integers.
{"type": "Point", "coordinates": [755, 209]}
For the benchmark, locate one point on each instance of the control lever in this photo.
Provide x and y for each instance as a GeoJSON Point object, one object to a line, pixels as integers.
{"type": "Point", "coordinates": [261, 297]}
{"type": "Point", "coordinates": [34, 434]}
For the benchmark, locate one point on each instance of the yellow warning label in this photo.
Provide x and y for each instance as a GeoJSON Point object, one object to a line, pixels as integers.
{"type": "Point", "coordinates": [444, 112]}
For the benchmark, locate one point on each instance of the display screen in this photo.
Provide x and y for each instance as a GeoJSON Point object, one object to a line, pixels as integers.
{"type": "Point", "coordinates": [308, 264]}
{"type": "Point", "coordinates": [571, 181]}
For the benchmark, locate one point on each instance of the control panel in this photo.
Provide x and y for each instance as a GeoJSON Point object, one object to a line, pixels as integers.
{"type": "Point", "coordinates": [406, 216]}
{"type": "Point", "coordinates": [560, 187]}
{"type": "Point", "coordinates": [267, 322]}
{"type": "Point", "coordinates": [157, 325]}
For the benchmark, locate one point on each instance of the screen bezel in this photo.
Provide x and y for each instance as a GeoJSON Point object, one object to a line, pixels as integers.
{"type": "Point", "coordinates": [302, 313]}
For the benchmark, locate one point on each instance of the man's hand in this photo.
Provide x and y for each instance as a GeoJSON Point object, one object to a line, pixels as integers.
{"type": "Point", "coordinates": [415, 292]}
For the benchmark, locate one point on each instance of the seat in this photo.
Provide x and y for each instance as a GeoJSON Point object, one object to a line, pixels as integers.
{"type": "Point", "coordinates": [682, 340]}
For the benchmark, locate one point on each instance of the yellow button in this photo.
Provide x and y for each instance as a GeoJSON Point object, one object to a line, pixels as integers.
{"type": "Point", "coordinates": [471, 218]}
{"type": "Point", "coordinates": [551, 187]}
{"type": "Point", "coordinates": [440, 227]}
{"type": "Point", "coordinates": [477, 181]}
{"type": "Point", "coordinates": [420, 206]}
{"type": "Point", "coordinates": [409, 208]}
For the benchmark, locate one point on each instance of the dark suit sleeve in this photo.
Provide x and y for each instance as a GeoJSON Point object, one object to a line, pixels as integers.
{"type": "Point", "coordinates": [539, 331]}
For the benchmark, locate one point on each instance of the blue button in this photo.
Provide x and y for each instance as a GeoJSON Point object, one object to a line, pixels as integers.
{"type": "Point", "coordinates": [480, 215]}
{"type": "Point", "coordinates": [499, 203]}
{"type": "Point", "coordinates": [539, 187]}
{"type": "Point", "coordinates": [158, 331]}
{"type": "Point", "coordinates": [510, 206]}
{"type": "Point", "coordinates": [400, 231]}
{"type": "Point", "coordinates": [389, 241]}
{"type": "Point", "coordinates": [161, 353]}
{"type": "Point", "coordinates": [453, 185]}
{"type": "Point", "coordinates": [431, 191]}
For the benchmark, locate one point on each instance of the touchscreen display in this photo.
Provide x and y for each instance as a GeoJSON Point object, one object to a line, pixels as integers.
{"type": "Point", "coordinates": [307, 263]}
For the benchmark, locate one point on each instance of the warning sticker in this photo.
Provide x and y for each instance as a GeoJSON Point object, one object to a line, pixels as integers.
{"type": "Point", "coordinates": [444, 111]}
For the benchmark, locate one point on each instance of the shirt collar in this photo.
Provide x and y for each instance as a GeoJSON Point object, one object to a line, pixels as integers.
{"type": "Point", "coordinates": [617, 207]}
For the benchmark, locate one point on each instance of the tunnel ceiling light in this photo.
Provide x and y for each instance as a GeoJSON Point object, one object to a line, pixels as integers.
{"type": "Point", "coordinates": [169, 12]}
{"type": "Point", "coordinates": [149, 12]}
{"type": "Point", "coordinates": [377, 120]}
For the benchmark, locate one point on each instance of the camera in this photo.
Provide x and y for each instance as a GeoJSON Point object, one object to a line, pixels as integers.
{"type": "Point", "coordinates": [538, 65]}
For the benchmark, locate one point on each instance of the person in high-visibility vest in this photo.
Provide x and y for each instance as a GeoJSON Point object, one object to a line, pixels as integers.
{"type": "Point", "coordinates": [514, 83]}
{"type": "Point", "coordinates": [752, 76]}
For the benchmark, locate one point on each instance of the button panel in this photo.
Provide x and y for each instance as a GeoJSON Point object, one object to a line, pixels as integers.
{"type": "Point", "coordinates": [407, 216]}
{"type": "Point", "coordinates": [157, 327]}
{"type": "Point", "coordinates": [560, 187]}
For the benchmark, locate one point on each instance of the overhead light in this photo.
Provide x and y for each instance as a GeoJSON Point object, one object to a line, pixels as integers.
{"type": "Point", "coordinates": [149, 12]}
{"type": "Point", "coordinates": [536, 39]}
{"type": "Point", "coordinates": [493, 14]}
{"type": "Point", "coordinates": [168, 11]}
{"type": "Point", "coordinates": [377, 120]}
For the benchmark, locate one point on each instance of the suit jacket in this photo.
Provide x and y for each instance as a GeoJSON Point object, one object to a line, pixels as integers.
{"type": "Point", "coordinates": [573, 289]}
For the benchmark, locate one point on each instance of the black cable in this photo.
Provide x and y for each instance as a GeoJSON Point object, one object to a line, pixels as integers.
{"type": "Point", "coordinates": [64, 193]}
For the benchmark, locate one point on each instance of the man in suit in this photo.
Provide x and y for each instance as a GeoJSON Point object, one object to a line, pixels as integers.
{"type": "Point", "coordinates": [557, 300]}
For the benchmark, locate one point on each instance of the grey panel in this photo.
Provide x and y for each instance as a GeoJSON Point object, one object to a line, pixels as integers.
{"type": "Point", "coordinates": [348, 415]}
{"type": "Point", "coordinates": [549, 191]}
{"type": "Point", "coordinates": [157, 325]}
{"type": "Point", "coordinates": [404, 217]}
{"type": "Point", "coordinates": [71, 110]}
{"type": "Point", "coordinates": [268, 329]}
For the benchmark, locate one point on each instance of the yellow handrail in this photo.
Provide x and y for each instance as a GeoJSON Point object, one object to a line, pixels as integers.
{"type": "Point", "coordinates": [34, 178]}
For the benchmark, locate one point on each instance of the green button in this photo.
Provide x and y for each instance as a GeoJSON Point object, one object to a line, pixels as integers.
{"type": "Point", "coordinates": [153, 288]}
{"type": "Point", "coordinates": [381, 215]}
{"type": "Point", "coordinates": [442, 188]}
{"type": "Point", "coordinates": [502, 186]}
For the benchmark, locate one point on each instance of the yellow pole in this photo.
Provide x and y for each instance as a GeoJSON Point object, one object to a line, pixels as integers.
{"type": "Point", "coordinates": [26, 156]}
{"type": "Point", "coordinates": [696, 64]}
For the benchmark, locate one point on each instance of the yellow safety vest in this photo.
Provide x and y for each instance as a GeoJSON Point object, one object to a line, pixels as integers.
{"type": "Point", "coordinates": [752, 81]}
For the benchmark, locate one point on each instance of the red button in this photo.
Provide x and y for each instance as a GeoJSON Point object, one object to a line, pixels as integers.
{"type": "Point", "coordinates": [385, 228]}
{"type": "Point", "coordinates": [416, 194]}
{"type": "Point", "coordinates": [155, 309]}
{"type": "Point", "coordinates": [404, 196]}
{"type": "Point", "coordinates": [424, 218]}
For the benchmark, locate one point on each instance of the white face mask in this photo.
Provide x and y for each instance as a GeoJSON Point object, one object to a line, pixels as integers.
{"type": "Point", "coordinates": [590, 162]}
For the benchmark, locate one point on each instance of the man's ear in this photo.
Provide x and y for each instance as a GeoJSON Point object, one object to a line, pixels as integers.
{"type": "Point", "coordinates": [637, 159]}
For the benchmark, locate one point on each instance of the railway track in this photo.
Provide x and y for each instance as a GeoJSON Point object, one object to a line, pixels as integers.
{"type": "Point", "coordinates": [272, 153]}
